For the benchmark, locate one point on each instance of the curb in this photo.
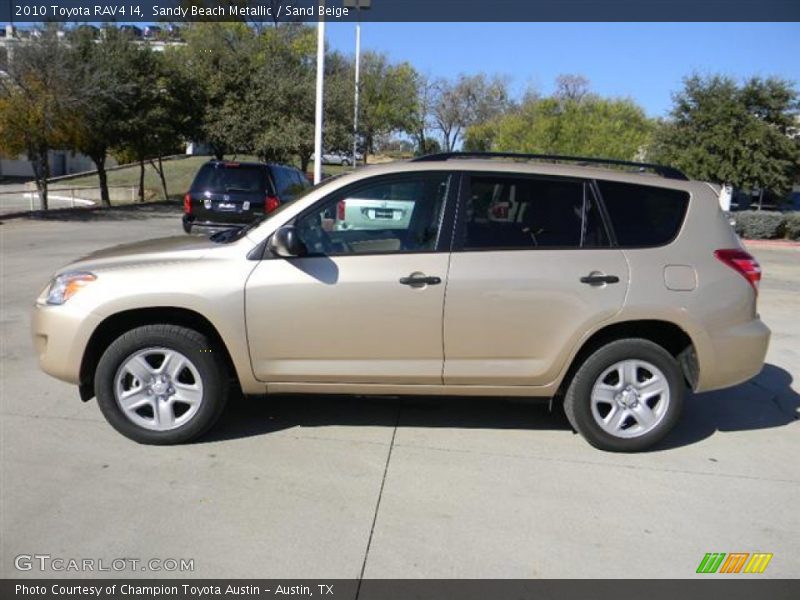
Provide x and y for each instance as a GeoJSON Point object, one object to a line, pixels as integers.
{"type": "Point", "coordinates": [773, 244]}
{"type": "Point", "coordinates": [55, 213]}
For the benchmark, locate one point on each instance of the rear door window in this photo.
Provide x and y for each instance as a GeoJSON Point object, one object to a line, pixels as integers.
{"type": "Point", "coordinates": [643, 215]}
{"type": "Point", "coordinates": [506, 212]}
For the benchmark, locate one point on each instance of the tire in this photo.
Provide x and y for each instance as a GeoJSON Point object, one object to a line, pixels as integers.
{"type": "Point", "coordinates": [187, 226]}
{"type": "Point", "coordinates": [626, 396]}
{"type": "Point", "coordinates": [345, 163]}
{"type": "Point", "coordinates": [183, 406]}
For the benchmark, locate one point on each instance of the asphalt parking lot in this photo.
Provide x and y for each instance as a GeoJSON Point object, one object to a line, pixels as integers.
{"type": "Point", "coordinates": [327, 487]}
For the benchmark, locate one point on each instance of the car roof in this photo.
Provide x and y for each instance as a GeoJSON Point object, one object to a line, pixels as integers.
{"type": "Point", "coordinates": [528, 167]}
{"type": "Point", "coordinates": [251, 163]}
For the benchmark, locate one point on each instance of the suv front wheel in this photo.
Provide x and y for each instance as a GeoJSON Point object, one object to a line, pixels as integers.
{"type": "Point", "coordinates": [626, 396]}
{"type": "Point", "coordinates": [161, 384]}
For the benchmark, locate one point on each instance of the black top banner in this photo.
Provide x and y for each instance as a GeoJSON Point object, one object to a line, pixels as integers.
{"type": "Point", "coordinates": [277, 11]}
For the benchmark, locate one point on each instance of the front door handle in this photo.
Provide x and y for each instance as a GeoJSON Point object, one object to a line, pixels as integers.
{"type": "Point", "coordinates": [419, 280]}
{"type": "Point", "coordinates": [597, 278]}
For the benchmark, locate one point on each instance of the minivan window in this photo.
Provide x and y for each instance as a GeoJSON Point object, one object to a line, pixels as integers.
{"type": "Point", "coordinates": [643, 215]}
{"type": "Point", "coordinates": [526, 212]}
{"type": "Point", "coordinates": [230, 178]}
{"type": "Point", "coordinates": [289, 183]}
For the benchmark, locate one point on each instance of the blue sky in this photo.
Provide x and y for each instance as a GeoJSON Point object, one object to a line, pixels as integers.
{"type": "Point", "coordinates": [643, 61]}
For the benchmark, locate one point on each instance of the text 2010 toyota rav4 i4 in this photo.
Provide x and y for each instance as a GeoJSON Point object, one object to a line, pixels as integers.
{"type": "Point", "coordinates": [505, 276]}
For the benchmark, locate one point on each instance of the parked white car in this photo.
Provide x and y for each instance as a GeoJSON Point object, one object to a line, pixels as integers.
{"type": "Point", "coordinates": [339, 158]}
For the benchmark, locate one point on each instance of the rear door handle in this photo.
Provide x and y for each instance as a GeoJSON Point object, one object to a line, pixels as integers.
{"type": "Point", "coordinates": [420, 280]}
{"type": "Point", "coordinates": [595, 278]}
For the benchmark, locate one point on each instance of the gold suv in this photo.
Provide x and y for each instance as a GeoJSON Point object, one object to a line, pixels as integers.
{"type": "Point", "coordinates": [614, 286]}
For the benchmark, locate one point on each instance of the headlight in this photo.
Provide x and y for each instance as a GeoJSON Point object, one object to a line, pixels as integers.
{"type": "Point", "coordinates": [63, 287]}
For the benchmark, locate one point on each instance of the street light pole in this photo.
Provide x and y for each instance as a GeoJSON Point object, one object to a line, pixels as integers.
{"type": "Point", "coordinates": [318, 110]}
{"type": "Point", "coordinates": [355, 103]}
{"type": "Point", "coordinates": [359, 5]}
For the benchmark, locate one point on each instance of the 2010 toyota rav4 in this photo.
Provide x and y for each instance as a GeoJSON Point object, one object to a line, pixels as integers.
{"type": "Point", "coordinates": [614, 290]}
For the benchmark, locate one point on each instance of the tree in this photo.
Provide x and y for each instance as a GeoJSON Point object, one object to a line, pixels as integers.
{"type": "Point", "coordinates": [480, 137]}
{"type": "Point", "coordinates": [220, 59]}
{"type": "Point", "coordinates": [571, 87]}
{"type": "Point", "coordinates": [36, 102]}
{"type": "Point", "coordinates": [594, 127]}
{"type": "Point", "coordinates": [157, 121]}
{"type": "Point", "coordinates": [337, 133]}
{"type": "Point", "coordinates": [106, 84]}
{"type": "Point", "coordinates": [724, 132]}
{"type": "Point", "coordinates": [285, 96]}
{"type": "Point", "coordinates": [422, 116]}
{"type": "Point", "coordinates": [388, 98]}
{"type": "Point", "coordinates": [465, 102]}
{"type": "Point", "coordinates": [572, 121]}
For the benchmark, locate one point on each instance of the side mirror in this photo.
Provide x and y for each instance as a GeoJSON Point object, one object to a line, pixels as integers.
{"type": "Point", "coordinates": [286, 243]}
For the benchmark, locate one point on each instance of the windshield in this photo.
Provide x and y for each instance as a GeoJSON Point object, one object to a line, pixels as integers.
{"type": "Point", "coordinates": [231, 235]}
{"type": "Point", "coordinates": [231, 177]}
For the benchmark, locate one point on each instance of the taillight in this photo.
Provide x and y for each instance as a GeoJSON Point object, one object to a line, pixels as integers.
{"type": "Point", "coordinates": [340, 208]}
{"type": "Point", "coordinates": [187, 204]}
{"type": "Point", "coordinates": [743, 263]}
{"type": "Point", "coordinates": [271, 203]}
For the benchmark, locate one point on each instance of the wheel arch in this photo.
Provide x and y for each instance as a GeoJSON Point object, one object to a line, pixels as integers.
{"type": "Point", "coordinates": [117, 324]}
{"type": "Point", "coordinates": [670, 336]}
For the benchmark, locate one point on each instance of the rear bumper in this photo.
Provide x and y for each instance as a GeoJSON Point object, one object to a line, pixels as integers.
{"type": "Point", "coordinates": [738, 354]}
{"type": "Point", "coordinates": [191, 222]}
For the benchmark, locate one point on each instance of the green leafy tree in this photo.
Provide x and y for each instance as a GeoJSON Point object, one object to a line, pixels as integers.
{"type": "Point", "coordinates": [388, 98]}
{"type": "Point", "coordinates": [157, 121]}
{"type": "Point", "coordinates": [594, 126]}
{"type": "Point", "coordinates": [220, 60]}
{"type": "Point", "coordinates": [572, 121]}
{"type": "Point", "coordinates": [282, 102]}
{"type": "Point", "coordinates": [739, 134]}
{"type": "Point", "coordinates": [104, 70]}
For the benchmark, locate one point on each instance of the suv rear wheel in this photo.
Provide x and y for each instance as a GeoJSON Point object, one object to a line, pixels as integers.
{"type": "Point", "coordinates": [161, 384]}
{"type": "Point", "coordinates": [626, 396]}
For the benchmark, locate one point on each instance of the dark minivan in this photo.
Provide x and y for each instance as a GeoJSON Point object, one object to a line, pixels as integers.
{"type": "Point", "coordinates": [228, 194]}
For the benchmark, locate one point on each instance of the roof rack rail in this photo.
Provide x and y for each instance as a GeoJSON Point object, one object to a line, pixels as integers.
{"type": "Point", "coordinates": [664, 171]}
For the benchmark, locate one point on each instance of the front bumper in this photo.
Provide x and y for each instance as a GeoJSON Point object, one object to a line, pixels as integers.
{"type": "Point", "coordinates": [60, 337]}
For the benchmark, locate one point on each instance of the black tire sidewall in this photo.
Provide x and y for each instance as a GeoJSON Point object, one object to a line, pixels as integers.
{"type": "Point", "coordinates": [577, 403]}
{"type": "Point", "coordinates": [189, 343]}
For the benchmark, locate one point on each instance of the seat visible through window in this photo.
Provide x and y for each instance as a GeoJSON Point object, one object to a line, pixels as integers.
{"type": "Point", "coordinates": [510, 213]}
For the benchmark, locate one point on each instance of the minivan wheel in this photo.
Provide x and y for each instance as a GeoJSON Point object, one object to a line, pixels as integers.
{"type": "Point", "coordinates": [161, 384]}
{"type": "Point", "coordinates": [626, 396]}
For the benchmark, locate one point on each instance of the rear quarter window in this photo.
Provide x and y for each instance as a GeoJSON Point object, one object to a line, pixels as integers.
{"type": "Point", "coordinates": [643, 215]}
{"type": "Point", "coordinates": [288, 182]}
